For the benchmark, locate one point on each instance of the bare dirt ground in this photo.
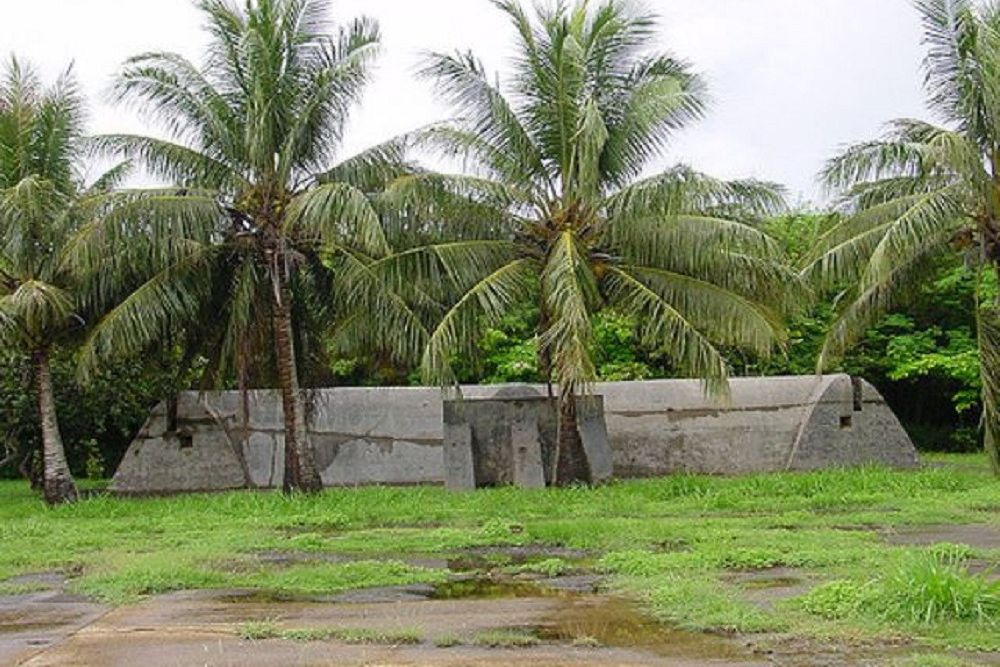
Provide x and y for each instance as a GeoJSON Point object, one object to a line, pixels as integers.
{"type": "Point", "coordinates": [977, 536]}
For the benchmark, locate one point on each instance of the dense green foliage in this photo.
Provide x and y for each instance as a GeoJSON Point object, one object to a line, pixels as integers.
{"type": "Point", "coordinates": [924, 192]}
{"type": "Point", "coordinates": [922, 355]}
{"type": "Point", "coordinates": [98, 418]}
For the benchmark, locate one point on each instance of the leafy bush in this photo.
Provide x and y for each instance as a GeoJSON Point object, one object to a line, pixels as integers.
{"type": "Point", "coordinates": [97, 420]}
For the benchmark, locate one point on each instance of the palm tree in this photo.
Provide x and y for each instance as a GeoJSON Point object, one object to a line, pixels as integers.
{"type": "Point", "coordinates": [42, 203]}
{"type": "Point", "coordinates": [552, 208]}
{"type": "Point", "coordinates": [258, 204]}
{"type": "Point", "coordinates": [924, 190]}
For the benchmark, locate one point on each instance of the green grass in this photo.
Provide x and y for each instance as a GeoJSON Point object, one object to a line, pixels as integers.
{"type": "Point", "coordinates": [675, 543]}
{"type": "Point", "coordinates": [926, 588]}
{"type": "Point", "coordinates": [264, 630]}
{"type": "Point", "coordinates": [506, 639]}
{"type": "Point", "coordinates": [549, 567]}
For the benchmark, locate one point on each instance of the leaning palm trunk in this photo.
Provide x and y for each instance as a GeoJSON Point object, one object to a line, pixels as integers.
{"type": "Point", "coordinates": [301, 473]}
{"type": "Point", "coordinates": [58, 485]}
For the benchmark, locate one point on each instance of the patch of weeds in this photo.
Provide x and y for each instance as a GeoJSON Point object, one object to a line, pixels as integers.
{"type": "Point", "coordinates": [261, 630]}
{"type": "Point", "coordinates": [354, 635]}
{"type": "Point", "coordinates": [550, 567]}
{"type": "Point", "coordinates": [258, 630]}
{"type": "Point", "coordinates": [587, 642]}
{"type": "Point", "coordinates": [753, 559]}
{"type": "Point", "coordinates": [646, 563]}
{"type": "Point", "coordinates": [951, 553]}
{"type": "Point", "coordinates": [702, 604]}
{"type": "Point", "coordinates": [447, 641]}
{"type": "Point", "coordinates": [935, 587]}
{"type": "Point", "coordinates": [326, 578]}
{"type": "Point", "coordinates": [501, 529]}
{"type": "Point", "coordinates": [307, 542]}
{"type": "Point", "coordinates": [836, 599]}
{"type": "Point", "coordinates": [506, 639]}
{"type": "Point", "coordinates": [23, 588]}
{"type": "Point", "coordinates": [926, 588]}
{"type": "Point", "coordinates": [150, 574]}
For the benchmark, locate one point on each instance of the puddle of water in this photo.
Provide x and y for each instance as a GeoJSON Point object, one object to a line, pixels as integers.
{"type": "Point", "coordinates": [261, 597]}
{"type": "Point", "coordinates": [773, 582]}
{"type": "Point", "coordinates": [491, 559]}
{"type": "Point", "coordinates": [617, 623]}
{"type": "Point", "coordinates": [486, 588]}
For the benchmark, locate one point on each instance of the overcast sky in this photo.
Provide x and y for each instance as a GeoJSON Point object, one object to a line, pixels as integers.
{"type": "Point", "coordinates": [791, 80]}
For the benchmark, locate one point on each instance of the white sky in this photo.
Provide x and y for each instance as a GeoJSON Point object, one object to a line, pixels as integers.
{"type": "Point", "coordinates": [791, 80]}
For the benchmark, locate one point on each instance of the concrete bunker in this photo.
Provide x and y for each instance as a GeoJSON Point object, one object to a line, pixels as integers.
{"type": "Point", "coordinates": [395, 436]}
{"type": "Point", "coordinates": [510, 439]}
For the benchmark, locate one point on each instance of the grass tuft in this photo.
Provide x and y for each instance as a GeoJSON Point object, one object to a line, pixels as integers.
{"type": "Point", "coordinates": [261, 630]}
{"type": "Point", "coordinates": [926, 588]}
{"type": "Point", "coordinates": [447, 641]}
{"type": "Point", "coordinates": [506, 639]}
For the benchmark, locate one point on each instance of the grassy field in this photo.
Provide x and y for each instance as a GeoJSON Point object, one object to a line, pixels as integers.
{"type": "Point", "coordinates": [689, 547]}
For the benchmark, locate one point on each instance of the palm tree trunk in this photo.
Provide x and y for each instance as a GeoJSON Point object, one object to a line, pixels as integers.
{"type": "Point", "coordinates": [571, 465]}
{"type": "Point", "coordinates": [58, 485]}
{"type": "Point", "coordinates": [988, 338]}
{"type": "Point", "coordinates": [544, 352]}
{"type": "Point", "coordinates": [301, 473]}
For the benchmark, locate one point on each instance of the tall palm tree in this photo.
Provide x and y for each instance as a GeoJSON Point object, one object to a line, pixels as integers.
{"type": "Point", "coordinates": [258, 203]}
{"type": "Point", "coordinates": [924, 190]}
{"type": "Point", "coordinates": [552, 208]}
{"type": "Point", "coordinates": [42, 203]}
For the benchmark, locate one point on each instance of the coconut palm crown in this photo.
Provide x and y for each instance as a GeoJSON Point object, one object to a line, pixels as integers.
{"type": "Point", "coordinates": [554, 206]}
{"type": "Point", "coordinates": [924, 190]}
{"type": "Point", "coordinates": [237, 245]}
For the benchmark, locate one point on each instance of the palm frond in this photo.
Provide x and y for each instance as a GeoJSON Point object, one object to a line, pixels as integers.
{"type": "Point", "coordinates": [661, 324]}
{"type": "Point", "coordinates": [481, 306]}
{"type": "Point", "coordinates": [570, 293]}
{"type": "Point", "coordinates": [335, 211]}
{"type": "Point", "coordinates": [726, 317]}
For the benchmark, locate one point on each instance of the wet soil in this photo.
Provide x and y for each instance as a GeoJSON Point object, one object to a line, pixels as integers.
{"type": "Point", "coordinates": [765, 588]}
{"type": "Point", "coordinates": [977, 536]}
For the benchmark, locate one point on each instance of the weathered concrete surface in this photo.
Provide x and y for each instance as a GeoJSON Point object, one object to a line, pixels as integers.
{"type": "Point", "coordinates": [770, 424]}
{"type": "Point", "coordinates": [34, 622]}
{"type": "Point", "coordinates": [201, 628]}
{"type": "Point", "coordinates": [512, 439]}
{"type": "Point", "coordinates": [395, 435]}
